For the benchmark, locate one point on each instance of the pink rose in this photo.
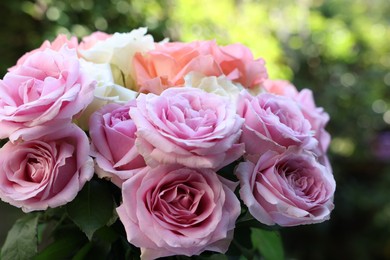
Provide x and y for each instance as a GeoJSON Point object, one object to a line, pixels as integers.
{"type": "Point", "coordinates": [42, 94]}
{"type": "Point", "coordinates": [169, 63]}
{"type": "Point", "coordinates": [274, 123]}
{"type": "Point", "coordinates": [112, 133]}
{"type": "Point", "coordinates": [287, 189]}
{"type": "Point", "coordinates": [48, 172]}
{"type": "Point", "coordinates": [317, 117]}
{"type": "Point", "coordinates": [187, 126]}
{"type": "Point", "coordinates": [170, 210]}
{"type": "Point", "coordinates": [56, 45]}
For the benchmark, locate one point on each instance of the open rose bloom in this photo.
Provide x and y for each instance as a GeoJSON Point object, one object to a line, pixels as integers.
{"type": "Point", "coordinates": [113, 138]}
{"type": "Point", "coordinates": [43, 93]}
{"type": "Point", "coordinates": [47, 172]}
{"type": "Point", "coordinates": [169, 210]}
{"type": "Point", "coordinates": [287, 189]}
{"type": "Point", "coordinates": [187, 126]}
{"type": "Point", "coordinates": [187, 139]}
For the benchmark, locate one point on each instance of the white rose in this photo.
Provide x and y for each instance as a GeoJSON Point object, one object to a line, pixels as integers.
{"type": "Point", "coordinates": [106, 91]}
{"type": "Point", "coordinates": [221, 85]}
{"type": "Point", "coordinates": [119, 50]}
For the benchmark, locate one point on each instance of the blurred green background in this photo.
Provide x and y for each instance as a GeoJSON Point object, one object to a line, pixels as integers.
{"type": "Point", "coordinates": [338, 48]}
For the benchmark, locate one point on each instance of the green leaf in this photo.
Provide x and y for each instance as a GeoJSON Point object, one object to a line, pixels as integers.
{"type": "Point", "coordinates": [21, 242]}
{"type": "Point", "coordinates": [92, 208]}
{"type": "Point", "coordinates": [82, 253]}
{"type": "Point", "coordinates": [268, 243]}
{"type": "Point", "coordinates": [63, 247]}
{"type": "Point", "coordinates": [106, 235]}
{"type": "Point", "coordinates": [101, 244]}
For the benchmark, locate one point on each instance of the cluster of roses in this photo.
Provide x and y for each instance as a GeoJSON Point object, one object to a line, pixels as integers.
{"type": "Point", "coordinates": [162, 120]}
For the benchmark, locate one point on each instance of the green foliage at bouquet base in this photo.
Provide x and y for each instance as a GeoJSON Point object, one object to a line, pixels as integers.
{"type": "Point", "coordinates": [93, 207]}
{"type": "Point", "coordinates": [100, 246]}
{"type": "Point", "coordinates": [62, 247]}
{"type": "Point", "coordinates": [21, 241]}
{"type": "Point", "coordinates": [268, 243]}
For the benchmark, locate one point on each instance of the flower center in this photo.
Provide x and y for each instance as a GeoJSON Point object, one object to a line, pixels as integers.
{"type": "Point", "coordinates": [179, 204]}
{"type": "Point", "coordinates": [35, 170]}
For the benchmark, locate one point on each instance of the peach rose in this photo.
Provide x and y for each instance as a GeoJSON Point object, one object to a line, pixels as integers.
{"type": "Point", "coordinates": [168, 64]}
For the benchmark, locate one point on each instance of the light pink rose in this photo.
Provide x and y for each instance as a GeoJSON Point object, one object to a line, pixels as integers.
{"type": "Point", "coordinates": [55, 45]}
{"type": "Point", "coordinates": [287, 189]}
{"type": "Point", "coordinates": [48, 172]}
{"type": "Point", "coordinates": [170, 210]}
{"type": "Point", "coordinates": [274, 123]}
{"type": "Point", "coordinates": [43, 94]}
{"type": "Point", "coordinates": [170, 62]}
{"type": "Point", "coordinates": [187, 126]}
{"type": "Point", "coordinates": [89, 41]}
{"type": "Point", "coordinates": [317, 117]}
{"type": "Point", "coordinates": [112, 133]}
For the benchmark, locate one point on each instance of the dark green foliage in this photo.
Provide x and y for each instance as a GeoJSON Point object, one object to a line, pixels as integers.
{"type": "Point", "coordinates": [21, 242]}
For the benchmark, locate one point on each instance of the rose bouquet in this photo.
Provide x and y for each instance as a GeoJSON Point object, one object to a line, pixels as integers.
{"type": "Point", "coordinates": [118, 146]}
